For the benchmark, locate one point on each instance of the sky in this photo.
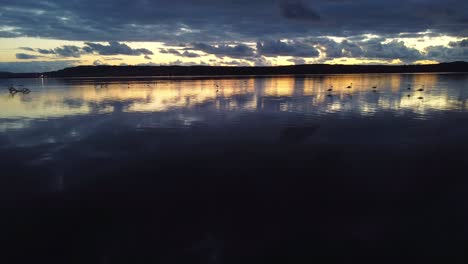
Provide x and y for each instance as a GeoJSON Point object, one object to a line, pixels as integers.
{"type": "Point", "coordinates": [37, 35]}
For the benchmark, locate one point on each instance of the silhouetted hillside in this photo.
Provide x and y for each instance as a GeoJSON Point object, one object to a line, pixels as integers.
{"type": "Point", "coordinates": [18, 75]}
{"type": "Point", "coordinates": [129, 71]}
{"type": "Point", "coordinates": [113, 71]}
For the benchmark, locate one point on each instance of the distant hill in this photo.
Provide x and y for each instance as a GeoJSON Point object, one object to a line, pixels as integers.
{"type": "Point", "coordinates": [18, 75]}
{"type": "Point", "coordinates": [133, 71]}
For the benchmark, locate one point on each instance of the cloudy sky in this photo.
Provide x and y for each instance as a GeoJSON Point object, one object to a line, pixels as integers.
{"type": "Point", "coordinates": [37, 35]}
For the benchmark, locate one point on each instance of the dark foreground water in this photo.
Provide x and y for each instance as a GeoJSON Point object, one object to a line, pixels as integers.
{"type": "Point", "coordinates": [235, 170]}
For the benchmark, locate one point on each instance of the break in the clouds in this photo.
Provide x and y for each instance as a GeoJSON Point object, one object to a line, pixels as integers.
{"type": "Point", "coordinates": [317, 48]}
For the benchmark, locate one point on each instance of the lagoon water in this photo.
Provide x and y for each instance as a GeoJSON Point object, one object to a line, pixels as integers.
{"type": "Point", "coordinates": [234, 169]}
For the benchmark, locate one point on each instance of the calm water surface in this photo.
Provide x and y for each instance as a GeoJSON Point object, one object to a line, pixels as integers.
{"type": "Point", "coordinates": [221, 170]}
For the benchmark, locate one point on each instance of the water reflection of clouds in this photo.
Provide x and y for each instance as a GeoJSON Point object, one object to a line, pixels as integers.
{"type": "Point", "coordinates": [309, 95]}
{"type": "Point", "coordinates": [13, 124]}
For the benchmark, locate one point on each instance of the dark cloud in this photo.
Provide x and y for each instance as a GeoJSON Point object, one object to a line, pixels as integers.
{"type": "Point", "coordinates": [8, 34]}
{"type": "Point", "coordinates": [186, 54]}
{"type": "Point", "coordinates": [297, 61]}
{"type": "Point", "coordinates": [68, 51]}
{"type": "Point", "coordinates": [115, 48]}
{"type": "Point", "coordinates": [24, 56]}
{"type": "Point", "coordinates": [352, 49]}
{"type": "Point", "coordinates": [26, 48]}
{"type": "Point", "coordinates": [280, 48]}
{"type": "Point", "coordinates": [456, 51]}
{"type": "Point", "coordinates": [260, 61]}
{"type": "Point", "coordinates": [45, 51]}
{"type": "Point", "coordinates": [391, 50]}
{"type": "Point", "coordinates": [170, 51]}
{"type": "Point", "coordinates": [224, 50]}
{"type": "Point", "coordinates": [376, 48]}
{"type": "Point", "coordinates": [361, 47]}
{"type": "Point", "coordinates": [297, 9]}
{"type": "Point", "coordinates": [334, 49]}
{"type": "Point", "coordinates": [331, 48]}
{"type": "Point", "coordinates": [63, 51]}
{"type": "Point", "coordinates": [176, 21]}
{"type": "Point", "coordinates": [463, 44]}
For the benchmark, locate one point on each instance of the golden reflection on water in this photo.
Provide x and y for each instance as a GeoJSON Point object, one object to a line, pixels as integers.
{"type": "Point", "coordinates": [278, 87]}
{"type": "Point", "coordinates": [285, 93]}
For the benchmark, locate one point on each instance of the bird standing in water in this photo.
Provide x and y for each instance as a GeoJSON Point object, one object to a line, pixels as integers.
{"type": "Point", "coordinates": [330, 90]}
